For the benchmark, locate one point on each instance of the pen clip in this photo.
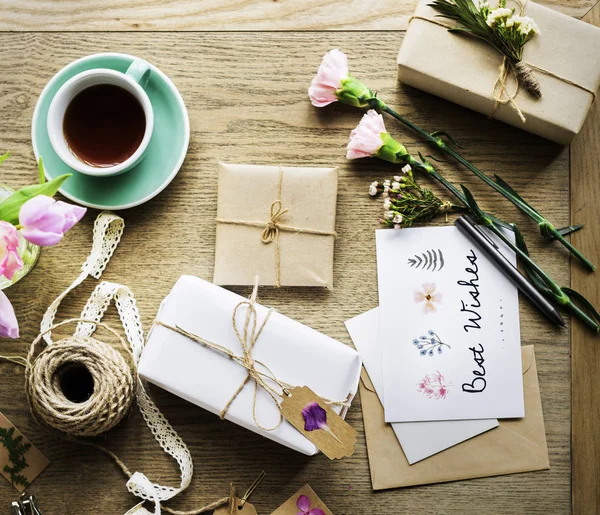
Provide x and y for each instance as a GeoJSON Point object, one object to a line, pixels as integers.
{"type": "Point", "coordinates": [483, 233]}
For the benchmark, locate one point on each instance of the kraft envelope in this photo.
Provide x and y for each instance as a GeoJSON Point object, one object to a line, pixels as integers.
{"type": "Point", "coordinates": [516, 445]}
{"type": "Point", "coordinates": [246, 194]}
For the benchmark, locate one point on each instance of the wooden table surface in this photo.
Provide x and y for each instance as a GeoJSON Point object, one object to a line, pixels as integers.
{"type": "Point", "coordinates": [245, 91]}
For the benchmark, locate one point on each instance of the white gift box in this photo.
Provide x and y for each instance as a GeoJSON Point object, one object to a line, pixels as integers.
{"type": "Point", "coordinates": [295, 353]}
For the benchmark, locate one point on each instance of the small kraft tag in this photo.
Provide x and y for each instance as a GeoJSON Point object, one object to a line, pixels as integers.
{"type": "Point", "coordinates": [20, 461]}
{"type": "Point", "coordinates": [310, 415]}
{"type": "Point", "coordinates": [240, 507]}
{"type": "Point", "coordinates": [303, 501]}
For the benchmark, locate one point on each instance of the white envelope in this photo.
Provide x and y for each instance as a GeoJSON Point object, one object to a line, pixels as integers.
{"type": "Point", "coordinates": [295, 353]}
{"type": "Point", "coordinates": [419, 440]}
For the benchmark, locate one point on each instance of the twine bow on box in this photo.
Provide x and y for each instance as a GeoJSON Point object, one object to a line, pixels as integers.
{"type": "Point", "coordinates": [248, 335]}
{"type": "Point", "coordinates": [273, 226]}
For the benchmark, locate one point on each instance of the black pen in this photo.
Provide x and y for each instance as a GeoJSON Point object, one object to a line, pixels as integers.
{"type": "Point", "coordinates": [474, 232]}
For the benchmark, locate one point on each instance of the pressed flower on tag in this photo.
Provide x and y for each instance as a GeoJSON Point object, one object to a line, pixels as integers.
{"type": "Point", "coordinates": [315, 418]}
{"type": "Point", "coordinates": [303, 504]}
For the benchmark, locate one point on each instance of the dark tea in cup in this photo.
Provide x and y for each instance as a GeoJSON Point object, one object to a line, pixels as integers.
{"type": "Point", "coordinates": [104, 125]}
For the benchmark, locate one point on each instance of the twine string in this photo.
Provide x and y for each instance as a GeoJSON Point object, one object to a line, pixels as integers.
{"type": "Point", "coordinates": [500, 92]}
{"type": "Point", "coordinates": [273, 226]}
{"type": "Point", "coordinates": [248, 336]}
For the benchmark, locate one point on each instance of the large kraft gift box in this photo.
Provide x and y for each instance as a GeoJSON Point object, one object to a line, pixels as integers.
{"type": "Point", "coordinates": [277, 223]}
{"type": "Point", "coordinates": [294, 354]}
{"type": "Point", "coordinates": [464, 70]}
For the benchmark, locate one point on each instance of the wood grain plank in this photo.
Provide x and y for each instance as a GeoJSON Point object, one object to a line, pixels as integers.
{"type": "Point", "coordinates": [585, 353]}
{"type": "Point", "coordinates": [246, 95]}
{"type": "Point", "coordinates": [238, 15]}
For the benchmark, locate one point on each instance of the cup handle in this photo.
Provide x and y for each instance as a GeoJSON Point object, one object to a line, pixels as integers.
{"type": "Point", "coordinates": [139, 70]}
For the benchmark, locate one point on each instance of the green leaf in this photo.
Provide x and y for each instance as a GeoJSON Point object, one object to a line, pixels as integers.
{"type": "Point", "coordinates": [532, 274]}
{"type": "Point", "coordinates": [4, 157]}
{"type": "Point", "coordinates": [583, 301]}
{"type": "Point", "coordinates": [480, 216]}
{"type": "Point", "coordinates": [564, 231]}
{"type": "Point", "coordinates": [508, 188]}
{"type": "Point", "coordinates": [41, 174]}
{"type": "Point", "coordinates": [9, 208]}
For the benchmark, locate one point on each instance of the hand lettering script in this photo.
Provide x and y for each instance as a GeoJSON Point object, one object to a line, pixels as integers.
{"type": "Point", "coordinates": [478, 384]}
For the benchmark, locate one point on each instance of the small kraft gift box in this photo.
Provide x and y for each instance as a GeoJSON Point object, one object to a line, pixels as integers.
{"type": "Point", "coordinates": [277, 223]}
{"type": "Point", "coordinates": [204, 349]}
{"type": "Point", "coordinates": [564, 57]}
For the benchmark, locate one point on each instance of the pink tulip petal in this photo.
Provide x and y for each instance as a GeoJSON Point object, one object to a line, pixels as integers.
{"type": "Point", "coordinates": [34, 208]}
{"type": "Point", "coordinates": [303, 503]}
{"type": "Point", "coordinates": [316, 511]}
{"type": "Point", "coordinates": [41, 238]}
{"type": "Point", "coordinates": [72, 214]}
{"type": "Point", "coordinates": [9, 327]}
{"type": "Point", "coordinates": [10, 261]}
{"type": "Point", "coordinates": [45, 221]}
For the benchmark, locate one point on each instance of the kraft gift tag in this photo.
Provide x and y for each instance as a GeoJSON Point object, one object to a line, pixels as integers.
{"type": "Point", "coordinates": [310, 415]}
{"type": "Point", "coordinates": [20, 461]}
{"type": "Point", "coordinates": [304, 501]}
{"type": "Point", "coordinates": [239, 507]}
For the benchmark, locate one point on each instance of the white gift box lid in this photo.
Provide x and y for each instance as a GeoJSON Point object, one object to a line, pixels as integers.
{"type": "Point", "coordinates": [295, 353]}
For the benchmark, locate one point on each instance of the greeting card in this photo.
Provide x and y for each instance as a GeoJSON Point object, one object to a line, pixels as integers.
{"type": "Point", "coordinates": [450, 329]}
{"type": "Point", "coordinates": [419, 440]}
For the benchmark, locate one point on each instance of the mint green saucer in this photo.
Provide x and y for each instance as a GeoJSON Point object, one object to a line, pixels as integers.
{"type": "Point", "coordinates": [163, 158]}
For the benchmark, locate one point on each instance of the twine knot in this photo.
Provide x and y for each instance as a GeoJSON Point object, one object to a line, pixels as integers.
{"type": "Point", "coordinates": [271, 230]}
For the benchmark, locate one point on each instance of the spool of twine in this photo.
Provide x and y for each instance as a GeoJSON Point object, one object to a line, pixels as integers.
{"type": "Point", "coordinates": [80, 386]}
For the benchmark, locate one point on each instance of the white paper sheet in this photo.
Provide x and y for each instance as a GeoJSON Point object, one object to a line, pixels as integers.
{"type": "Point", "coordinates": [419, 440]}
{"type": "Point", "coordinates": [449, 328]}
{"type": "Point", "coordinates": [294, 353]}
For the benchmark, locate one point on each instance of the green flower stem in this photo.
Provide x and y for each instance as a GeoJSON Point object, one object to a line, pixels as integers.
{"type": "Point", "coordinates": [426, 167]}
{"type": "Point", "coordinates": [557, 293]}
{"type": "Point", "coordinates": [545, 225]}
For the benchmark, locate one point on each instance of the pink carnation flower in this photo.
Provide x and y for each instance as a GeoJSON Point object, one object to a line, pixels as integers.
{"type": "Point", "coordinates": [366, 140]}
{"type": "Point", "coordinates": [10, 261]}
{"type": "Point", "coordinates": [333, 69]}
{"type": "Point", "coordinates": [45, 220]}
{"type": "Point", "coordinates": [9, 327]}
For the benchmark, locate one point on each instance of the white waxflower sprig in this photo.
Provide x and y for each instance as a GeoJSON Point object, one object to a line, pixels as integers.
{"type": "Point", "coordinates": [405, 202]}
{"type": "Point", "coordinates": [500, 27]}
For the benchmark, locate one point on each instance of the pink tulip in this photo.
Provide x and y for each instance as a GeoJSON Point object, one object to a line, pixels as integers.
{"type": "Point", "coordinates": [45, 221]}
{"type": "Point", "coordinates": [328, 80]}
{"type": "Point", "coordinates": [10, 261]}
{"type": "Point", "coordinates": [9, 327]}
{"type": "Point", "coordinates": [366, 140]}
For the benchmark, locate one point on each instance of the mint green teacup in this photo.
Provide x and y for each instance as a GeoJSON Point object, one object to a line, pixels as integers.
{"type": "Point", "coordinates": [133, 81]}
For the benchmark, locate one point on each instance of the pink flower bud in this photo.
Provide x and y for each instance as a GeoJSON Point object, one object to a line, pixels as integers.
{"type": "Point", "coordinates": [366, 140]}
{"type": "Point", "coordinates": [10, 261]}
{"type": "Point", "coordinates": [45, 220]}
{"type": "Point", "coordinates": [333, 69]}
{"type": "Point", "coordinates": [9, 327]}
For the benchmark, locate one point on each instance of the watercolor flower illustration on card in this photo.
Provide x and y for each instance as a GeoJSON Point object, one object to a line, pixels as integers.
{"type": "Point", "coordinates": [429, 296]}
{"type": "Point", "coordinates": [430, 344]}
{"type": "Point", "coordinates": [433, 386]}
{"type": "Point", "coordinates": [315, 418]}
{"type": "Point", "coordinates": [303, 504]}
